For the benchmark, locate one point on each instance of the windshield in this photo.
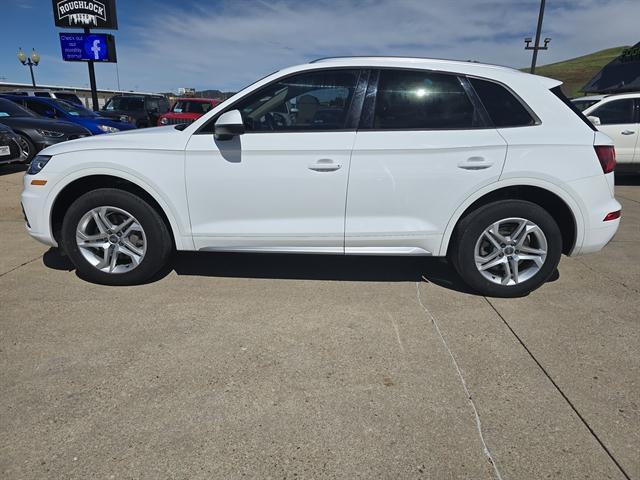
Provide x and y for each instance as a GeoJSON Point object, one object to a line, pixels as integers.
{"type": "Point", "coordinates": [584, 104]}
{"type": "Point", "coordinates": [124, 103]}
{"type": "Point", "coordinates": [10, 109]}
{"type": "Point", "coordinates": [73, 109]}
{"type": "Point", "coordinates": [191, 106]}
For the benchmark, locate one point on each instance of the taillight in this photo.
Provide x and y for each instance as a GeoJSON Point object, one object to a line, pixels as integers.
{"type": "Point", "coordinates": [607, 156]}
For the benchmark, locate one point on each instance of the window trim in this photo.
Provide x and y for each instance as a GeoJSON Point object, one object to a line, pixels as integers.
{"type": "Point", "coordinates": [352, 115]}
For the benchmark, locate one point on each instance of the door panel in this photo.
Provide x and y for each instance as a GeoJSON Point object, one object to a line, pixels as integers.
{"type": "Point", "coordinates": [404, 185]}
{"type": "Point", "coordinates": [618, 120]}
{"type": "Point", "coordinates": [269, 191]}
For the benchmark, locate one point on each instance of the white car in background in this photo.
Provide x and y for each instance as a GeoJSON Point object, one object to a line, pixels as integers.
{"type": "Point", "coordinates": [487, 165]}
{"type": "Point", "coordinates": [618, 116]}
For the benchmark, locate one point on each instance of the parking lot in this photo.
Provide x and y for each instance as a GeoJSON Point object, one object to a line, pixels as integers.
{"type": "Point", "coordinates": [248, 366]}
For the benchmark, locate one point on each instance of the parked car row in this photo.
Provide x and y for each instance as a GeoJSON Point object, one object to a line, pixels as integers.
{"type": "Point", "coordinates": [618, 116]}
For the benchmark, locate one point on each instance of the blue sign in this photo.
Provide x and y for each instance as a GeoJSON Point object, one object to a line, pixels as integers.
{"type": "Point", "coordinates": [83, 47]}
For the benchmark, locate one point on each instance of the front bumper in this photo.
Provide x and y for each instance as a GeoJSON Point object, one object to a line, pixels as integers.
{"type": "Point", "coordinates": [34, 202]}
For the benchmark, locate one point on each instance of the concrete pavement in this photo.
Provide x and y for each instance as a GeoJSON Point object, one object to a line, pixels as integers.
{"type": "Point", "coordinates": [248, 366]}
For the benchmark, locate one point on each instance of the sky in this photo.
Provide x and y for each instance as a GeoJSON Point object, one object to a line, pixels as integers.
{"type": "Point", "coordinates": [226, 44]}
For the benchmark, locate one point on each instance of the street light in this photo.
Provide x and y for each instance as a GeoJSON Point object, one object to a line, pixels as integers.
{"type": "Point", "coordinates": [537, 46]}
{"type": "Point", "coordinates": [31, 61]}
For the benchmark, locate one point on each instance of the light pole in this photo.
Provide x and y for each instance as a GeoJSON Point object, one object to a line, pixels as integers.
{"type": "Point", "coordinates": [31, 61]}
{"type": "Point", "coordinates": [537, 46]}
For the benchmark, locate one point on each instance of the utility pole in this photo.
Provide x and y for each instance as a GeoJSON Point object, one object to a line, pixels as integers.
{"type": "Point", "coordinates": [92, 80]}
{"type": "Point", "coordinates": [537, 46]}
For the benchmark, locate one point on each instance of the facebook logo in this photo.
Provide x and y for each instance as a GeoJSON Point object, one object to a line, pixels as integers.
{"type": "Point", "coordinates": [95, 47]}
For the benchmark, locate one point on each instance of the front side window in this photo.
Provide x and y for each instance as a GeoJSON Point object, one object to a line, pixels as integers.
{"type": "Point", "coordinates": [311, 101]}
{"type": "Point", "coordinates": [615, 112]}
{"type": "Point", "coordinates": [422, 100]}
{"type": "Point", "coordinates": [504, 109]}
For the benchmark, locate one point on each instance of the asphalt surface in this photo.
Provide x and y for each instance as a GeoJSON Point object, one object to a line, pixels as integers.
{"type": "Point", "coordinates": [248, 366]}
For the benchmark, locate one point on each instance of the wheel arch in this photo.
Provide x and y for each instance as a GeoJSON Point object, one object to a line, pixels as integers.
{"type": "Point", "coordinates": [83, 184]}
{"type": "Point", "coordinates": [554, 200]}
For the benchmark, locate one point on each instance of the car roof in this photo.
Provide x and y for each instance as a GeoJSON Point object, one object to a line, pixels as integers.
{"type": "Point", "coordinates": [461, 67]}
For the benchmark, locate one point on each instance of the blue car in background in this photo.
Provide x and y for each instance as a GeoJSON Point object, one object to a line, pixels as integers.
{"type": "Point", "coordinates": [63, 110]}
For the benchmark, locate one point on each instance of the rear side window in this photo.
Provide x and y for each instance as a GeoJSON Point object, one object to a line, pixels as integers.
{"type": "Point", "coordinates": [616, 112]}
{"type": "Point", "coordinates": [42, 94]}
{"type": "Point", "coordinates": [504, 109]}
{"type": "Point", "coordinates": [422, 100]}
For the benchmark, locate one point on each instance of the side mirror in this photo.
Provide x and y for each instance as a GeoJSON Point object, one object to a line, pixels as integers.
{"type": "Point", "coordinates": [228, 125]}
{"type": "Point", "coordinates": [594, 120]}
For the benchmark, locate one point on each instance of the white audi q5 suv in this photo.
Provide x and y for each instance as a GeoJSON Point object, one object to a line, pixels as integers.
{"type": "Point", "coordinates": [487, 165]}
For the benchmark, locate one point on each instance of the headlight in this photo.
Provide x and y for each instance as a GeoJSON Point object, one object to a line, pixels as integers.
{"type": "Point", "coordinates": [164, 121]}
{"type": "Point", "coordinates": [108, 129]}
{"type": "Point", "coordinates": [50, 133]}
{"type": "Point", "coordinates": [37, 164]}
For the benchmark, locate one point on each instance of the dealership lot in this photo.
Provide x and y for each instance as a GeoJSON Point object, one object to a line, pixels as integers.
{"type": "Point", "coordinates": [246, 366]}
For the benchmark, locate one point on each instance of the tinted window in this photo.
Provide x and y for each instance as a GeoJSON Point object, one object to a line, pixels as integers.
{"type": "Point", "coordinates": [504, 109]}
{"type": "Point", "coordinates": [73, 109]}
{"type": "Point", "coordinates": [614, 112]}
{"type": "Point", "coordinates": [191, 106]}
{"type": "Point", "coordinates": [125, 103]}
{"type": "Point", "coordinates": [69, 97]}
{"type": "Point", "coordinates": [39, 108]}
{"type": "Point", "coordinates": [10, 109]}
{"type": "Point", "coordinates": [42, 94]}
{"type": "Point", "coordinates": [422, 100]}
{"type": "Point", "coordinates": [309, 101]}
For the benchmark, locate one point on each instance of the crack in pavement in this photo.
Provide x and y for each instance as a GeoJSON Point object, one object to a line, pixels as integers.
{"type": "Point", "coordinates": [20, 266]}
{"type": "Point", "coordinates": [434, 322]}
{"type": "Point", "coordinates": [613, 280]}
{"type": "Point", "coordinates": [557, 387]}
{"type": "Point", "coordinates": [626, 198]}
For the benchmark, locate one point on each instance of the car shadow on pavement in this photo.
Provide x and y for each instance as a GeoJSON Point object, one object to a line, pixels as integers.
{"type": "Point", "coordinates": [627, 179]}
{"type": "Point", "coordinates": [299, 267]}
{"type": "Point", "coordinates": [320, 267]}
{"type": "Point", "coordinates": [10, 168]}
{"type": "Point", "coordinates": [303, 267]}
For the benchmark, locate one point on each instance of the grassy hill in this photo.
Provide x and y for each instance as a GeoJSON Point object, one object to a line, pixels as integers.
{"type": "Point", "coordinates": [578, 71]}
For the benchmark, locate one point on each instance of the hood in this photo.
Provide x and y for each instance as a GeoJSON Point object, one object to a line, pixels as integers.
{"type": "Point", "coordinates": [155, 138]}
{"type": "Point", "coordinates": [44, 123]}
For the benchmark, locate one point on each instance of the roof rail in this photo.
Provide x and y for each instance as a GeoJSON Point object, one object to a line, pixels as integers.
{"type": "Point", "coordinates": [317, 60]}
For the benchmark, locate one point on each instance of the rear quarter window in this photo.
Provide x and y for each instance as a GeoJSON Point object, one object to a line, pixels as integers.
{"type": "Point", "coordinates": [504, 109]}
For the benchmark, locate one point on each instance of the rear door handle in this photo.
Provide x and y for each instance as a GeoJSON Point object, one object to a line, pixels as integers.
{"type": "Point", "coordinates": [324, 165]}
{"type": "Point", "coordinates": [475, 163]}
{"type": "Point", "coordinates": [627, 132]}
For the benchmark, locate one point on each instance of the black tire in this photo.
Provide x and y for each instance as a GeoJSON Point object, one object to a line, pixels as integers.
{"type": "Point", "coordinates": [472, 226]}
{"type": "Point", "coordinates": [28, 146]}
{"type": "Point", "coordinates": [159, 244]}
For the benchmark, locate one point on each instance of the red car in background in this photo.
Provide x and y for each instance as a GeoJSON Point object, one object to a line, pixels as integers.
{"type": "Point", "coordinates": [187, 110]}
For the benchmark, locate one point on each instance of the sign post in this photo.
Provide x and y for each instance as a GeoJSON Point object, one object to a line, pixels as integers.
{"type": "Point", "coordinates": [87, 14]}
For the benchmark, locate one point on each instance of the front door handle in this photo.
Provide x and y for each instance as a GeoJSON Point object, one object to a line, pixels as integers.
{"type": "Point", "coordinates": [475, 163]}
{"type": "Point", "coordinates": [325, 165]}
{"type": "Point", "coordinates": [627, 132]}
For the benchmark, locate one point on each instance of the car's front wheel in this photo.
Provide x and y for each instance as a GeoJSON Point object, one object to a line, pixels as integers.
{"type": "Point", "coordinates": [507, 248]}
{"type": "Point", "coordinates": [115, 238]}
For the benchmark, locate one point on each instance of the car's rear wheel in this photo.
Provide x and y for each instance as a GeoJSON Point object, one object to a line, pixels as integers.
{"type": "Point", "coordinates": [507, 248]}
{"type": "Point", "coordinates": [115, 238]}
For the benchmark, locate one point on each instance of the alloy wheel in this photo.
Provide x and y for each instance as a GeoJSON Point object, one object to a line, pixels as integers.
{"type": "Point", "coordinates": [111, 239]}
{"type": "Point", "coordinates": [510, 251]}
